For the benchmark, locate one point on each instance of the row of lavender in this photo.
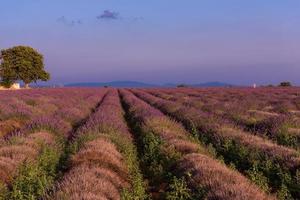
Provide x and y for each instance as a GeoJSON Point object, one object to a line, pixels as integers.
{"type": "Point", "coordinates": [104, 163]}
{"type": "Point", "coordinates": [31, 155]}
{"type": "Point", "coordinates": [99, 158]}
{"type": "Point", "coordinates": [60, 109]}
{"type": "Point", "coordinates": [278, 100]}
{"type": "Point", "coordinates": [274, 168]}
{"type": "Point", "coordinates": [283, 128]}
{"type": "Point", "coordinates": [255, 103]}
{"type": "Point", "coordinates": [176, 165]}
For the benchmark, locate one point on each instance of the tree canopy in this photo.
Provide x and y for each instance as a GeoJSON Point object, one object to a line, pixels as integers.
{"type": "Point", "coordinates": [22, 63]}
{"type": "Point", "coordinates": [285, 84]}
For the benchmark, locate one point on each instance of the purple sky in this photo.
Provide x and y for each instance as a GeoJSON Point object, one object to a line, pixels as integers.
{"type": "Point", "coordinates": [159, 41]}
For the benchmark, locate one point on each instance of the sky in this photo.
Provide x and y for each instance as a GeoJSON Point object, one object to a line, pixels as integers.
{"type": "Point", "coordinates": [159, 41]}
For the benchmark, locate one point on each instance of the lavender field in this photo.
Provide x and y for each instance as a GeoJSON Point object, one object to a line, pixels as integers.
{"type": "Point", "coordinates": [143, 144]}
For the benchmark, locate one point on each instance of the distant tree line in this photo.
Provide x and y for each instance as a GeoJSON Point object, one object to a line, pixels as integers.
{"type": "Point", "coordinates": [285, 84]}
{"type": "Point", "coordinates": [282, 84]}
{"type": "Point", "coordinates": [22, 63]}
{"type": "Point", "coordinates": [182, 86]}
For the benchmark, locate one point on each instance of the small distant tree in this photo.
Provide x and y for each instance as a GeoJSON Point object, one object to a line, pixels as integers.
{"type": "Point", "coordinates": [182, 86]}
{"type": "Point", "coordinates": [22, 63]}
{"type": "Point", "coordinates": [285, 84]}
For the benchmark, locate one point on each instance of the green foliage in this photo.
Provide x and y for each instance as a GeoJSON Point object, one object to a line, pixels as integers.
{"type": "Point", "coordinates": [258, 178]}
{"type": "Point", "coordinates": [179, 190]}
{"type": "Point", "coordinates": [182, 86]}
{"type": "Point", "coordinates": [3, 191]}
{"type": "Point", "coordinates": [277, 131]}
{"type": "Point", "coordinates": [153, 158]}
{"type": "Point", "coordinates": [156, 158]}
{"type": "Point", "coordinates": [22, 63]}
{"type": "Point", "coordinates": [211, 150]}
{"type": "Point", "coordinates": [266, 173]}
{"type": "Point", "coordinates": [129, 152]}
{"type": "Point", "coordinates": [285, 84]}
{"type": "Point", "coordinates": [235, 154]}
{"type": "Point", "coordinates": [6, 80]}
{"type": "Point", "coordinates": [35, 178]}
{"type": "Point", "coordinates": [194, 130]}
{"type": "Point", "coordinates": [298, 176]}
{"type": "Point", "coordinates": [262, 171]}
{"type": "Point", "coordinates": [283, 193]}
{"type": "Point", "coordinates": [287, 139]}
{"type": "Point", "coordinates": [80, 141]}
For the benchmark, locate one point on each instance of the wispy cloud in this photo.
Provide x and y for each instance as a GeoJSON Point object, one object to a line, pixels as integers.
{"type": "Point", "coordinates": [109, 15]}
{"type": "Point", "coordinates": [68, 22]}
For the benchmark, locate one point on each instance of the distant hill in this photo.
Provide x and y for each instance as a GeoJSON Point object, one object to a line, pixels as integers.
{"type": "Point", "coordinates": [212, 84]}
{"type": "Point", "coordinates": [129, 84]}
{"type": "Point", "coordinates": [208, 84]}
{"type": "Point", "coordinates": [135, 84]}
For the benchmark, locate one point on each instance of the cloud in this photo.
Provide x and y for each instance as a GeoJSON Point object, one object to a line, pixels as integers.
{"type": "Point", "coordinates": [68, 22]}
{"type": "Point", "coordinates": [109, 15]}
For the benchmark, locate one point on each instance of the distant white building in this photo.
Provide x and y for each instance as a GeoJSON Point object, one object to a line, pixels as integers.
{"type": "Point", "coordinates": [15, 86]}
{"type": "Point", "coordinates": [254, 85]}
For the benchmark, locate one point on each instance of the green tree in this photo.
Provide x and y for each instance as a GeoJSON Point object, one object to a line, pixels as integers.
{"type": "Point", "coordinates": [182, 86]}
{"type": "Point", "coordinates": [285, 84]}
{"type": "Point", "coordinates": [22, 63]}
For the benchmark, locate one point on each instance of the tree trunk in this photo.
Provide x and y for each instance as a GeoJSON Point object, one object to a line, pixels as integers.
{"type": "Point", "coordinates": [27, 85]}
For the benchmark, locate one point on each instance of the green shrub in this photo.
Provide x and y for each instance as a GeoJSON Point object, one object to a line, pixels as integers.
{"type": "Point", "coordinates": [258, 178]}
{"type": "Point", "coordinates": [3, 191]}
{"type": "Point", "coordinates": [35, 178]}
{"type": "Point", "coordinates": [260, 169]}
{"type": "Point", "coordinates": [129, 152]}
{"type": "Point", "coordinates": [283, 193]}
{"type": "Point", "coordinates": [179, 190]}
{"type": "Point", "coordinates": [182, 86]}
{"type": "Point", "coordinates": [286, 139]}
{"type": "Point", "coordinates": [285, 84]}
{"type": "Point", "coordinates": [153, 160]}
